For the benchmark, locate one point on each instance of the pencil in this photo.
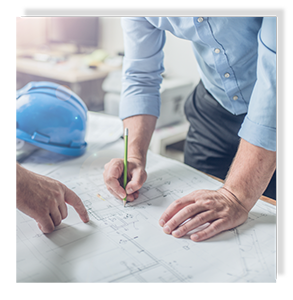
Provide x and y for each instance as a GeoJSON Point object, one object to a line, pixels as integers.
{"type": "Point", "coordinates": [125, 162]}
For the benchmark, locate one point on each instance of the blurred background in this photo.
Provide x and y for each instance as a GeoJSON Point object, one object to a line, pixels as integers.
{"type": "Point", "coordinates": [85, 54]}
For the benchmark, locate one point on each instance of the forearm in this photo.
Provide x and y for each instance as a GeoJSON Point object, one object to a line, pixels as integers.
{"type": "Point", "coordinates": [141, 128]}
{"type": "Point", "coordinates": [250, 173]}
{"type": "Point", "coordinates": [21, 177]}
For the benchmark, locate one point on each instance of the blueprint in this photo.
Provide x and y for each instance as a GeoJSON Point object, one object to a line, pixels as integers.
{"type": "Point", "coordinates": [126, 244]}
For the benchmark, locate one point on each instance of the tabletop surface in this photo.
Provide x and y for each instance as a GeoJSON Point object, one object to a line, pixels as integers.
{"type": "Point", "coordinates": [126, 244]}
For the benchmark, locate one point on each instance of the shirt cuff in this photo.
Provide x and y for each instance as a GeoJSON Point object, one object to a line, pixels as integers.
{"type": "Point", "coordinates": [258, 135]}
{"type": "Point", "coordinates": [139, 105]}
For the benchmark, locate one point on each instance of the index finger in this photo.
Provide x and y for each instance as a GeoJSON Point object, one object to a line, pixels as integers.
{"type": "Point", "coordinates": [113, 169]}
{"type": "Point", "coordinates": [174, 208]}
{"type": "Point", "coordinates": [112, 174]}
{"type": "Point", "coordinates": [72, 199]}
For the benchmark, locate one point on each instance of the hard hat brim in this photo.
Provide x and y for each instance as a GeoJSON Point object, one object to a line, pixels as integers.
{"type": "Point", "coordinates": [71, 151]}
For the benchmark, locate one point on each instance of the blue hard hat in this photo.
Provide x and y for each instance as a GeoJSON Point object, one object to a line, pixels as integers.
{"type": "Point", "coordinates": [52, 117]}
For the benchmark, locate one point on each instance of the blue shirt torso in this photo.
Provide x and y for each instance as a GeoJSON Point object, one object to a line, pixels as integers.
{"type": "Point", "coordinates": [237, 64]}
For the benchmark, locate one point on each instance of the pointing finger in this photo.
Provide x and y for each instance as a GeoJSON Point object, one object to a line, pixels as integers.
{"type": "Point", "coordinates": [72, 199]}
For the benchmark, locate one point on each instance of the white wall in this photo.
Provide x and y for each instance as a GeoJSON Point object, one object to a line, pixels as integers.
{"type": "Point", "coordinates": [179, 58]}
{"type": "Point", "coordinates": [30, 31]}
{"type": "Point", "coordinates": [111, 38]}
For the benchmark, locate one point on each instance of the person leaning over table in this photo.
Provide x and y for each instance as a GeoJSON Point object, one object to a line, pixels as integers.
{"type": "Point", "coordinates": [232, 115]}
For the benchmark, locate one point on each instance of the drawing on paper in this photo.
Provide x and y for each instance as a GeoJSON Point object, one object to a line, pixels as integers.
{"type": "Point", "coordinates": [126, 244]}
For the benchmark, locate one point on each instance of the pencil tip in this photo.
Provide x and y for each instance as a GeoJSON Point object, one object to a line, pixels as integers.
{"type": "Point", "coordinates": [124, 202]}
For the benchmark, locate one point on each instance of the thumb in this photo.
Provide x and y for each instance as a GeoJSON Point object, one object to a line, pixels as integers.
{"type": "Point", "coordinates": [138, 178]}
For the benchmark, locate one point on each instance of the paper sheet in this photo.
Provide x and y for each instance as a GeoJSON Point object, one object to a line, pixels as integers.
{"type": "Point", "coordinates": [126, 244]}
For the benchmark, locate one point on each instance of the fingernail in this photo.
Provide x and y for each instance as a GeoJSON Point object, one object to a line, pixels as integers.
{"type": "Point", "coordinates": [194, 237]}
{"type": "Point", "coordinates": [176, 233]}
{"type": "Point", "coordinates": [122, 195]}
{"type": "Point", "coordinates": [87, 218]}
{"type": "Point", "coordinates": [166, 229]}
{"type": "Point", "coordinates": [162, 222]}
{"type": "Point", "coordinates": [129, 191]}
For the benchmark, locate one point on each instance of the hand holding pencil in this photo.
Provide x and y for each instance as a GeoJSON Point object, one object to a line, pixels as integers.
{"type": "Point", "coordinates": [124, 177]}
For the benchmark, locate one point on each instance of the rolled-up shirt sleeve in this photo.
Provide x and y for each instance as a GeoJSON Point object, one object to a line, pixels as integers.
{"type": "Point", "coordinates": [142, 68]}
{"type": "Point", "coordinates": [259, 126]}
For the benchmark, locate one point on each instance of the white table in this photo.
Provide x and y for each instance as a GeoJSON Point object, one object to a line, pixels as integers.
{"type": "Point", "coordinates": [126, 244]}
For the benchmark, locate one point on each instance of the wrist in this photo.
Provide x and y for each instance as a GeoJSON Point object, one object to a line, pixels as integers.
{"type": "Point", "coordinates": [21, 178]}
{"type": "Point", "coordinates": [246, 200]}
{"type": "Point", "coordinates": [250, 173]}
{"type": "Point", "coordinates": [138, 158]}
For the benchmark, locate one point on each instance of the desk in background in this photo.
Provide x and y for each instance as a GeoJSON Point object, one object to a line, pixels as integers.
{"type": "Point", "coordinates": [69, 70]}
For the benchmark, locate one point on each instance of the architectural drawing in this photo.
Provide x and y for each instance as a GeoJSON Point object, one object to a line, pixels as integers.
{"type": "Point", "coordinates": [126, 244]}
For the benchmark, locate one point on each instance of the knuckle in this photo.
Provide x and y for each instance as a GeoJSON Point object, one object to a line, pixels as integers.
{"type": "Point", "coordinates": [48, 228]}
{"type": "Point", "coordinates": [117, 163]}
{"type": "Point", "coordinates": [201, 218]}
{"type": "Point", "coordinates": [177, 203]}
{"type": "Point", "coordinates": [141, 178]}
{"type": "Point", "coordinates": [58, 222]}
{"type": "Point", "coordinates": [64, 215]}
{"type": "Point", "coordinates": [107, 177]}
{"type": "Point", "coordinates": [42, 212]}
{"type": "Point", "coordinates": [52, 201]}
{"type": "Point", "coordinates": [216, 227]}
{"type": "Point", "coordinates": [183, 229]}
{"type": "Point", "coordinates": [209, 203]}
{"type": "Point", "coordinates": [142, 173]}
{"type": "Point", "coordinates": [189, 210]}
{"type": "Point", "coordinates": [172, 223]}
{"type": "Point", "coordinates": [59, 191]}
{"type": "Point", "coordinates": [165, 216]}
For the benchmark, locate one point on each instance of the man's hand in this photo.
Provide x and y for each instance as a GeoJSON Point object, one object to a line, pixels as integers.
{"type": "Point", "coordinates": [44, 199]}
{"type": "Point", "coordinates": [228, 207]}
{"type": "Point", "coordinates": [140, 129]}
{"type": "Point", "coordinates": [220, 209]}
{"type": "Point", "coordinates": [113, 177]}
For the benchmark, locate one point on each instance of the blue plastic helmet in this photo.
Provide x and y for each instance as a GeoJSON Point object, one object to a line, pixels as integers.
{"type": "Point", "coordinates": [51, 117]}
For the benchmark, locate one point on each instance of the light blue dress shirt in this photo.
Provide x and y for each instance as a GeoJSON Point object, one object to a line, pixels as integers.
{"type": "Point", "coordinates": [237, 65]}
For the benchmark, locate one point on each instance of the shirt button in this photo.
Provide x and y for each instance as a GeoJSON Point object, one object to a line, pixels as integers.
{"type": "Point", "coordinates": [217, 50]}
{"type": "Point", "coordinates": [235, 97]}
{"type": "Point", "coordinates": [227, 75]}
{"type": "Point", "coordinates": [200, 19]}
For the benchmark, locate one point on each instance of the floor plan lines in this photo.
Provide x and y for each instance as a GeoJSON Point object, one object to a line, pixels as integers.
{"type": "Point", "coordinates": [126, 244]}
